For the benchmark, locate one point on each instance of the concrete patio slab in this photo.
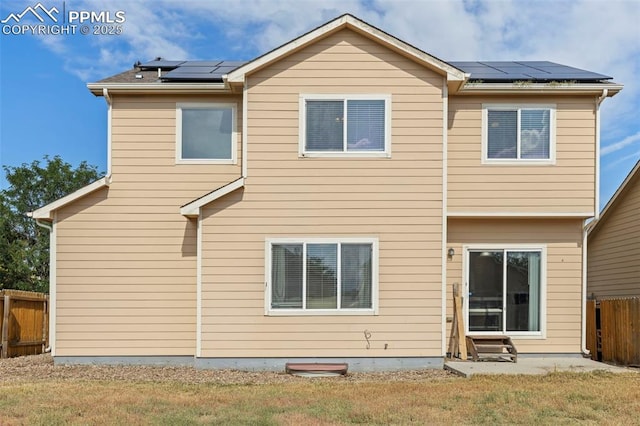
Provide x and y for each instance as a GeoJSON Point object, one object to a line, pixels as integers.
{"type": "Point", "coordinates": [532, 365]}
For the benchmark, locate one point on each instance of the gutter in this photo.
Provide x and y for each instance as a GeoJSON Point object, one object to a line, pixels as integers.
{"type": "Point", "coordinates": [97, 88]}
{"type": "Point", "coordinates": [539, 88]}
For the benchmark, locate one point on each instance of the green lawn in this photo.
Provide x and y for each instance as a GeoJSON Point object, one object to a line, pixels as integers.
{"type": "Point", "coordinates": [559, 398]}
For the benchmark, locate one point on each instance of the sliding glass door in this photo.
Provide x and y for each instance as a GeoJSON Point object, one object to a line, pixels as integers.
{"type": "Point", "coordinates": [504, 291]}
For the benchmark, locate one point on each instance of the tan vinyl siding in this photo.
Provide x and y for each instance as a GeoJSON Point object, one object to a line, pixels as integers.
{"type": "Point", "coordinates": [614, 247]}
{"type": "Point", "coordinates": [126, 258]}
{"type": "Point", "coordinates": [563, 240]}
{"type": "Point", "coordinates": [566, 187]}
{"type": "Point", "coordinates": [397, 200]}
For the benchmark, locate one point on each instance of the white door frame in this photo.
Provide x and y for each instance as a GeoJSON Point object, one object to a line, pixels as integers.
{"type": "Point", "coordinates": [542, 334]}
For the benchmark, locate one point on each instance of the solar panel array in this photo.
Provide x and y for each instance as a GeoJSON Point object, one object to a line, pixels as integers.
{"type": "Point", "coordinates": [536, 71]}
{"type": "Point", "coordinates": [192, 70]}
{"type": "Point", "coordinates": [493, 71]}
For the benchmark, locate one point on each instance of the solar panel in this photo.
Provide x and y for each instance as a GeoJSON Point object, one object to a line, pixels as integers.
{"type": "Point", "coordinates": [191, 77]}
{"type": "Point", "coordinates": [201, 70]}
{"type": "Point", "coordinates": [487, 71]}
{"type": "Point", "coordinates": [536, 71]}
{"type": "Point", "coordinates": [201, 63]}
{"type": "Point", "coordinates": [161, 63]}
{"type": "Point", "coordinates": [224, 70]}
{"type": "Point", "coordinates": [192, 70]}
{"type": "Point", "coordinates": [234, 64]}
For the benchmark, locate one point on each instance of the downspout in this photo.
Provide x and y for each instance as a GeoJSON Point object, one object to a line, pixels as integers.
{"type": "Point", "coordinates": [245, 127]}
{"type": "Point", "coordinates": [444, 237]}
{"type": "Point", "coordinates": [44, 225]}
{"type": "Point", "coordinates": [107, 98]}
{"type": "Point", "coordinates": [583, 334]}
{"type": "Point", "coordinates": [199, 284]}
{"type": "Point", "coordinates": [50, 229]}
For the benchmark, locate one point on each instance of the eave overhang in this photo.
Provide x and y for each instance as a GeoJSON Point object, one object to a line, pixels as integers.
{"type": "Point", "coordinates": [46, 212]}
{"type": "Point", "coordinates": [192, 209]}
{"type": "Point", "coordinates": [526, 88]}
{"type": "Point", "coordinates": [159, 88]}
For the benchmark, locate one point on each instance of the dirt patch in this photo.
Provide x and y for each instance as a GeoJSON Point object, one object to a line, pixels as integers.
{"type": "Point", "coordinates": [40, 367]}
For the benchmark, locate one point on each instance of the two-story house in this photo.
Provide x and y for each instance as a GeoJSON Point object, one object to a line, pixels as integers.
{"type": "Point", "coordinates": [318, 202]}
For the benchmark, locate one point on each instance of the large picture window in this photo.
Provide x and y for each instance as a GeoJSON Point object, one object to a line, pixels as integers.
{"type": "Point", "coordinates": [321, 275]}
{"type": "Point", "coordinates": [520, 134]}
{"type": "Point", "coordinates": [505, 290]}
{"type": "Point", "coordinates": [345, 125]}
{"type": "Point", "coordinates": [205, 133]}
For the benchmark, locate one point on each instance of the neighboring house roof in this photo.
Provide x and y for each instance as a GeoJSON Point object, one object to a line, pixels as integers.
{"type": "Point", "coordinates": [192, 209]}
{"type": "Point", "coordinates": [633, 175]}
{"type": "Point", "coordinates": [46, 212]}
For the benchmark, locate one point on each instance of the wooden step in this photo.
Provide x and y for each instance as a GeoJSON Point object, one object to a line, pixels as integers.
{"type": "Point", "coordinates": [491, 348]}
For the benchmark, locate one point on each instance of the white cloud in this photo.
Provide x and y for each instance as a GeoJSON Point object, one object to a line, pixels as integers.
{"type": "Point", "coordinates": [620, 145]}
{"type": "Point", "coordinates": [572, 32]}
{"type": "Point", "coordinates": [266, 24]}
{"type": "Point", "coordinates": [635, 156]}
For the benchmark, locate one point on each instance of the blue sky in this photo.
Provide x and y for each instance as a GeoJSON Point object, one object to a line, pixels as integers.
{"type": "Point", "coordinates": [46, 109]}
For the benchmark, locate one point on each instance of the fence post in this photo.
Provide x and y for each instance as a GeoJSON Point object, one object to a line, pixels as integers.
{"type": "Point", "coordinates": [45, 323]}
{"type": "Point", "coordinates": [5, 327]}
{"type": "Point", "coordinates": [592, 339]}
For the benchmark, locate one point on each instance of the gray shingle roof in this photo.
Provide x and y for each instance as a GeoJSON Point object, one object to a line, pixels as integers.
{"type": "Point", "coordinates": [129, 76]}
{"type": "Point", "coordinates": [485, 71]}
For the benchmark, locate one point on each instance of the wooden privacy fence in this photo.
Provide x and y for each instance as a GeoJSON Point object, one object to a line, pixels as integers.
{"type": "Point", "coordinates": [24, 322]}
{"type": "Point", "coordinates": [613, 330]}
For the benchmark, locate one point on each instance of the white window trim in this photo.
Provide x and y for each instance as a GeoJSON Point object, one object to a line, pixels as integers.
{"type": "Point", "coordinates": [321, 312]}
{"type": "Point", "coordinates": [514, 161]}
{"type": "Point", "coordinates": [302, 120]}
{"type": "Point", "coordinates": [234, 132]}
{"type": "Point", "coordinates": [542, 248]}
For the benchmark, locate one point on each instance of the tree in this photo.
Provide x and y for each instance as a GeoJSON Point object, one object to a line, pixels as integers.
{"type": "Point", "coordinates": [24, 246]}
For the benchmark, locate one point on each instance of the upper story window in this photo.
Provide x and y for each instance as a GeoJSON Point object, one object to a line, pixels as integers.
{"type": "Point", "coordinates": [321, 276]}
{"type": "Point", "coordinates": [205, 133]}
{"type": "Point", "coordinates": [352, 125]}
{"type": "Point", "coordinates": [518, 134]}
